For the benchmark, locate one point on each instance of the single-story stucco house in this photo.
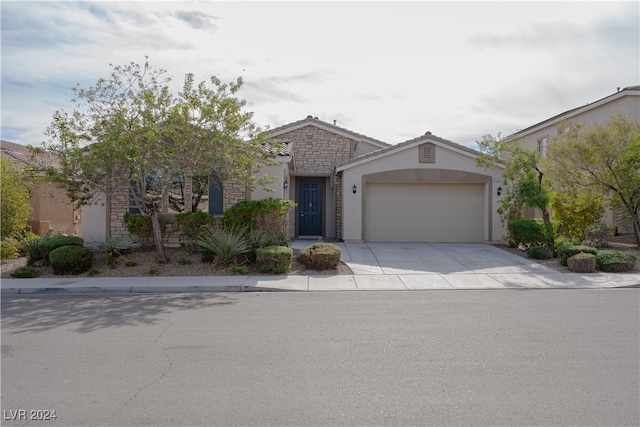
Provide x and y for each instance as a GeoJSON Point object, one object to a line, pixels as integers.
{"type": "Point", "coordinates": [53, 212]}
{"type": "Point", "coordinates": [352, 187]}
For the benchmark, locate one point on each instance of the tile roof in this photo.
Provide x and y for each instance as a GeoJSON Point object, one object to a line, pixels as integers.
{"type": "Point", "coordinates": [22, 156]}
{"type": "Point", "coordinates": [315, 121]}
{"type": "Point", "coordinates": [286, 149]}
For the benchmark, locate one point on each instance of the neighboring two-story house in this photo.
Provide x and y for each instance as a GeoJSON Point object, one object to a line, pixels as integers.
{"type": "Point", "coordinates": [624, 101]}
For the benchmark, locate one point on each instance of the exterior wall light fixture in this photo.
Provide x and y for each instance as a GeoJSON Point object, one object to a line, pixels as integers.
{"type": "Point", "coordinates": [286, 184]}
{"type": "Point", "coordinates": [499, 192]}
{"type": "Point", "coordinates": [355, 189]}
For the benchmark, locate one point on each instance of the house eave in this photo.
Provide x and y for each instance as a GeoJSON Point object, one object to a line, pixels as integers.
{"type": "Point", "coordinates": [379, 154]}
{"type": "Point", "coordinates": [628, 91]}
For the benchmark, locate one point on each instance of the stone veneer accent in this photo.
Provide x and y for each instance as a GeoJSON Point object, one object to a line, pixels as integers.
{"type": "Point", "coordinates": [338, 187]}
{"type": "Point", "coordinates": [317, 151]}
{"type": "Point", "coordinates": [233, 192]}
{"type": "Point", "coordinates": [620, 220]}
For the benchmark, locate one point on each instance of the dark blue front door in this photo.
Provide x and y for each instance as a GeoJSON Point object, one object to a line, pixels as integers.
{"type": "Point", "coordinates": [310, 202]}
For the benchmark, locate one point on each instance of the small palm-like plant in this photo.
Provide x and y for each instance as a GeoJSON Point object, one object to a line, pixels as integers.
{"type": "Point", "coordinates": [33, 248]}
{"type": "Point", "coordinates": [223, 245]}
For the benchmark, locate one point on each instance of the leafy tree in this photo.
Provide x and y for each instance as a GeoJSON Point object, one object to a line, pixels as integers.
{"type": "Point", "coordinates": [605, 159]}
{"type": "Point", "coordinates": [577, 210]}
{"type": "Point", "coordinates": [131, 130]}
{"type": "Point", "coordinates": [14, 200]}
{"type": "Point", "coordinates": [525, 186]}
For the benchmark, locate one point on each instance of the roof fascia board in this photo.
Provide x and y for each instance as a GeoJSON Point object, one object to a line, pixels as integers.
{"type": "Point", "coordinates": [572, 113]}
{"type": "Point", "coordinates": [375, 155]}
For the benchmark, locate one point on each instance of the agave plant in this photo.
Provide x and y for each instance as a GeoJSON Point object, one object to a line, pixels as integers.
{"type": "Point", "coordinates": [33, 248]}
{"type": "Point", "coordinates": [223, 245]}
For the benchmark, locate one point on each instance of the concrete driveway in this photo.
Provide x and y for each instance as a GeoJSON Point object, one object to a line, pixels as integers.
{"type": "Point", "coordinates": [430, 258]}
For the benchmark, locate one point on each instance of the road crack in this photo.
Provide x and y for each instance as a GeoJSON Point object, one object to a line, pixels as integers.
{"type": "Point", "coordinates": [164, 372]}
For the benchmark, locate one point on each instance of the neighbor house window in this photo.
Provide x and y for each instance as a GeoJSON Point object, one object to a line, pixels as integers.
{"type": "Point", "coordinates": [542, 146]}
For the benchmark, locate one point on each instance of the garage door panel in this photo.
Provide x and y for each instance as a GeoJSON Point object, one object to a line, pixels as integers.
{"type": "Point", "coordinates": [424, 212]}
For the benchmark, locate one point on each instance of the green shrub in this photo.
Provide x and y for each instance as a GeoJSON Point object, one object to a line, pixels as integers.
{"type": "Point", "coordinates": [274, 259]}
{"type": "Point", "coordinates": [320, 256]}
{"type": "Point", "coordinates": [257, 214]}
{"type": "Point", "coordinates": [538, 252]}
{"type": "Point", "coordinates": [599, 233]}
{"type": "Point", "coordinates": [53, 243]}
{"type": "Point", "coordinates": [71, 259]}
{"type": "Point", "coordinates": [111, 261]}
{"type": "Point", "coordinates": [529, 232]}
{"type": "Point", "coordinates": [152, 272]}
{"type": "Point", "coordinates": [190, 223]}
{"type": "Point", "coordinates": [130, 264]}
{"type": "Point", "coordinates": [94, 272]}
{"type": "Point", "coordinates": [239, 269]}
{"type": "Point", "coordinates": [576, 210]}
{"type": "Point", "coordinates": [582, 263]}
{"type": "Point", "coordinates": [613, 261]}
{"type": "Point", "coordinates": [565, 252]}
{"type": "Point", "coordinates": [222, 245]}
{"type": "Point", "coordinates": [184, 261]}
{"type": "Point", "coordinates": [24, 273]}
{"type": "Point", "coordinates": [9, 248]}
{"type": "Point", "coordinates": [139, 226]}
{"type": "Point", "coordinates": [266, 221]}
{"type": "Point", "coordinates": [257, 239]}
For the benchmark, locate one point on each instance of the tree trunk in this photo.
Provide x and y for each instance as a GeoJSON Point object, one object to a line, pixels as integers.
{"type": "Point", "coordinates": [157, 237]}
{"type": "Point", "coordinates": [636, 224]}
{"type": "Point", "coordinates": [546, 217]}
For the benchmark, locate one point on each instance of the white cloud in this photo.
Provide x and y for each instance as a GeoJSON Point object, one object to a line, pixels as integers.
{"type": "Point", "coordinates": [388, 70]}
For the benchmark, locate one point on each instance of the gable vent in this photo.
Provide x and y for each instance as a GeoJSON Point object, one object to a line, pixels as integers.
{"type": "Point", "coordinates": [427, 153]}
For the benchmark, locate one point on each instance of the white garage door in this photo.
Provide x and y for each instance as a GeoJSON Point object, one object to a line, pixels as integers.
{"type": "Point", "coordinates": [424, 212]}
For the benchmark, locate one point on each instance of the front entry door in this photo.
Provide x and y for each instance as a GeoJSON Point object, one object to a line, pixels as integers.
{"type": "Point", "coordinates": [310, 198]}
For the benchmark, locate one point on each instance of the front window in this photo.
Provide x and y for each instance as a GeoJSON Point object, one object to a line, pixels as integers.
{"type": "Point", "coordinates": [542, 146]}
{"type": "Point", "coordinates": [200, 193]}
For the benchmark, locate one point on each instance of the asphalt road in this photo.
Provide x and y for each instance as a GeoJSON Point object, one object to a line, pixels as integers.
{"type": "Point", "coordinates": [541, 357]}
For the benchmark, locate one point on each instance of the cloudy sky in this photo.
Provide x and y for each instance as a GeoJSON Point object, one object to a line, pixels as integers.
{"type": "Point", "coordinates": [391, 71]}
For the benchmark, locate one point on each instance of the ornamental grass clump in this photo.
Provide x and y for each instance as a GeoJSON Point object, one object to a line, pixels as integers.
{"type": "Point", "coordinates": [320, 256]}
{"type": "Point", "coordinates": [582, 263]}
{"type": "Point", "coordinates": [222, 246]}
{"type": "Point", "coordinates": [613, 261]}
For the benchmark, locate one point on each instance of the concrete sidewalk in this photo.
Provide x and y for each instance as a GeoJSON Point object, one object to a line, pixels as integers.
{"type": "Point", "coordinates": [312, 283]}
{"type": "Point", "coordinates": [376, 266]}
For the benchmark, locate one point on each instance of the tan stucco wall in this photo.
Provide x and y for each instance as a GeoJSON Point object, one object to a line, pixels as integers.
{"type": "Point", "coordinates": [628, 105]}
{"type": "Point", "coordinates": [280, 173]}
{"type": "Point", "coordinates": [53, 211]}
{"type": "Point", "coordinates": [404, 166]}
